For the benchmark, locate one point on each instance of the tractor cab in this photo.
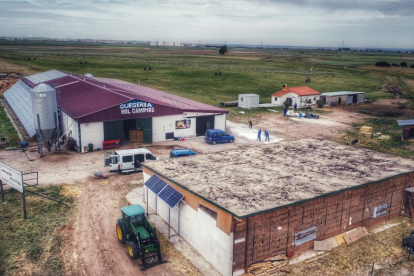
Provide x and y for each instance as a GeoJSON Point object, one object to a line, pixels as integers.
{"type": "Point", "coordinates": [134, 229]}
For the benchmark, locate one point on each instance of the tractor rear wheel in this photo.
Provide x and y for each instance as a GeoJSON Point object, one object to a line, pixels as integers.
{"type": "Point", "coordinates": [133, 250]}
{"type": "Point", "coordinates": [120, 232]}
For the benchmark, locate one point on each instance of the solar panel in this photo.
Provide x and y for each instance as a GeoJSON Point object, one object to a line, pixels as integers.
{"type": "Point", "coordinates": [171, 196]}
{"type": "Point", "coordinates": [155, 184]}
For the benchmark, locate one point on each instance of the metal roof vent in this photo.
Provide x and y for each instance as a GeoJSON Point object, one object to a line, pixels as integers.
{"type": "Point", "coordinates": [89, 75]}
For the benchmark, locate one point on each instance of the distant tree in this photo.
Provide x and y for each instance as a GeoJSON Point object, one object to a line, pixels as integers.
{"type": "Point", "coordinates": [223, 50]}
{"type": "Point", "coordinates": [382, 64]}
{"type": "Point", "coordinates": [403, 64]}
{"type": "Point", "coordinates": [412, 66]}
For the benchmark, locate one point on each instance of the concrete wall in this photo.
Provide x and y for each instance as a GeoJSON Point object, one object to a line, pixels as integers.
{"type": "Point", "coordinates": [92, 133]}
{"type": "Point", "coordinates": [69, 124]}
{"type": "Point", "coordinates": [199, 230]}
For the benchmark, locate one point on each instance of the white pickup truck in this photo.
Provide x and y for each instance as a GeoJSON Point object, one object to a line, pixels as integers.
{"type": "Point", "coordinates": [129, 160]}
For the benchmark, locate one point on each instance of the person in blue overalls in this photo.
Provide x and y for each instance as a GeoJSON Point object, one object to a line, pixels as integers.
{"type": "Point", "coordinates": [259, 135]}
{"type": "Point", "coordinates": [267, 137]}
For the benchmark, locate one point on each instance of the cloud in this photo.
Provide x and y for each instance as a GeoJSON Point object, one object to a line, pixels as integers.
{"type": "Point", "coordinates": [365, 23]}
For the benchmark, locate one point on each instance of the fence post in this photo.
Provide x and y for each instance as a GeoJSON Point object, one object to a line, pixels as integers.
{"type": "Point", "coordinates": [2, 193]}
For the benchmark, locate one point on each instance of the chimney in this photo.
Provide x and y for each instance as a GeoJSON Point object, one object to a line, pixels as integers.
{"type": "Point", "coordinates": [285, 87]}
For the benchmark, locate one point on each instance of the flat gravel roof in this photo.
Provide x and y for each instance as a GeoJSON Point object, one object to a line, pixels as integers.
{"type": "Point", "coordinates": [254, 179]}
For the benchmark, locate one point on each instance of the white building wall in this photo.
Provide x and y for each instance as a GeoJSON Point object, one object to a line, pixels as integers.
{"type": "Point", "coordinates": [248, 101]}
{"type": "Point", "coordinates": [199, 230]}
{"type": "Point", "coordinates": [166, 124]}
{"type": "Point", "coordinates": [220, 122]}
{"type": "Point", "coordinates": [300, 100]}
{"type": "Point", "coordinates": [92, 133]}
{"type": "Point", "coordinates": [69, 124]}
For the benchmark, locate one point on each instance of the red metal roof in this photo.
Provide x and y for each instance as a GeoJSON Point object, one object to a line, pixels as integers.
{"type": "Point", "coordinates": [93, 99]}
{"type": "Point", "coordinates": [184, 104]}
{"type": "Point", "coordinates": [300, 91]}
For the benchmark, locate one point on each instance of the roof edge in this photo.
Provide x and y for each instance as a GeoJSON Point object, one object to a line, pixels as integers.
{"type": "Point", "coordinates": [283, 206]}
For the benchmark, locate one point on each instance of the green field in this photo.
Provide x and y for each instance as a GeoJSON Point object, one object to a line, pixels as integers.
{"type": "Point", "coordinates": [189, 72]}
{"type": "Point", "coordinates": [32, 246]}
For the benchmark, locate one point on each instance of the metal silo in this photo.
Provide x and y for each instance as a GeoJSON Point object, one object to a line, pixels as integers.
{"type": "Point", "coordinates": [44, 111]}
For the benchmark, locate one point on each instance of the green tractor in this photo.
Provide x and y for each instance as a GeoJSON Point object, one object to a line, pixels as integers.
{"type": "Point", "coordinates": [135, 230]}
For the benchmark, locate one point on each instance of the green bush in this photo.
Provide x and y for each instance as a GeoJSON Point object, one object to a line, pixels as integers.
{"type": "Point", "coordinates": [320, 103]}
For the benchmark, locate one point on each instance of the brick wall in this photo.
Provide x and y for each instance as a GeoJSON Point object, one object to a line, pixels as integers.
{"type": "Point", "coordinates": [273, 233]}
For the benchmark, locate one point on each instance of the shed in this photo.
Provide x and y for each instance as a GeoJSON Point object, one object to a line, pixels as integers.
{"type": "Point", "coordinates": [343, 97]}
{"type": "Point", "coordinates": [248, 100]}
{"type": "Point", "coordinates": [408, 129]}
{"type": "Point", "coordinates": [235, 218]}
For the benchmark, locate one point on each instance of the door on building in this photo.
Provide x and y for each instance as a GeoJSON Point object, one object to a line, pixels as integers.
{"type": "Point", "coordinates": [289, 101]}
{"type": "Point", "coordinates": [339, 100]}
{"type": "Point", "coordinates": [411, 133]}
{"type": "Point", "coordinates": [127, 126]}
{"type": "Point", "coordinates": [409, 202]}
{"type": "Point", "coordinates": [114, 130]}
{"type": "Point", "coordinates": [203, 123]}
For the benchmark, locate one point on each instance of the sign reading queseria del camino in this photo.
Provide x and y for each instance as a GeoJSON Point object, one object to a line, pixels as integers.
{"type": "Point", "coordinates": [135, 106]}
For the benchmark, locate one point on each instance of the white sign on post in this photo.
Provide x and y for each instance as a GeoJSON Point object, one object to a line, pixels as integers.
{"type": "Point", "coordinates": [11, 177]}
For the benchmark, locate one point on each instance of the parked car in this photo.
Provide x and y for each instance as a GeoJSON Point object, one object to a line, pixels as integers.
{"type": "Point", "coordinates": [214, 136]}
{"type": "Point", "coordinates": [126, 161]}
{"type": "Point", "coordinates": [181, 152]}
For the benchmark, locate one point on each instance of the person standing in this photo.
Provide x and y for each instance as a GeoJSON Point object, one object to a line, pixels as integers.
{"type": "Point", "coordinates": [295, 106]}
{"type": "Point", "coordinates": [267, 137]}
{"type": "Point", "coordinates": [259, 134]}
{"type": "Point", "coordinates": [250, 124]}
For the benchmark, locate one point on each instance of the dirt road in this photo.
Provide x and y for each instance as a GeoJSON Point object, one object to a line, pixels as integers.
{"type": "Point", "coordinates": [90, 245]}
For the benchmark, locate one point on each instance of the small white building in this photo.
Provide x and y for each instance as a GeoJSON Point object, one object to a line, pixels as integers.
{"type": "Point", "coordinates": [303, 96]}
{"type": "Point", "coordinates": [248, 100]}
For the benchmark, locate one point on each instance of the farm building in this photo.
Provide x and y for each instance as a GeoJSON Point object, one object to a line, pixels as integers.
{"type": "Point", "coordinates": [248, 100]}
{"type": "Point", "coordinates": [408, 129]}
{"type": "Point", "coordinates": [268, 200]}
{"type": "Point", "coordinates": [302, 96]}
{"type": "Point", "coordinates": [93, 110]}
{"type": "Point", "coordinates": [343, 98]}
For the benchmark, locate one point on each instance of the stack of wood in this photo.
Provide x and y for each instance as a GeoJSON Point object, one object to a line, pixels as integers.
{"type": "Point", "coordinates": [136, 135]}
{"type": "Point", "coordinates": [366, 130]}
{"type": "Point", "coordinates": [268, 266]}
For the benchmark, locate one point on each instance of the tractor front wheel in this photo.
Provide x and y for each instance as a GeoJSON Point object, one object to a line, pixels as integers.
{"type": "Point", "coordinates": [120, 232]}
{"type": "Point", "coordinates": [133, 250]}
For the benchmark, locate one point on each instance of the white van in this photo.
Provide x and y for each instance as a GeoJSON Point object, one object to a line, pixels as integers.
{"type": "Point", "coordinates": [129, 160]}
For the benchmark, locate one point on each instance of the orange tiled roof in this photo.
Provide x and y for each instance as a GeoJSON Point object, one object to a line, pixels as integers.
{"type": "Point", "coordinates": [300, 91]}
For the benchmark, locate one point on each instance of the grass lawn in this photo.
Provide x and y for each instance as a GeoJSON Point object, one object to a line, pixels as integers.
{"type": "Point", "coordinates": [32, 246]}
{"type": "Point", "coordinates": [7, 129]}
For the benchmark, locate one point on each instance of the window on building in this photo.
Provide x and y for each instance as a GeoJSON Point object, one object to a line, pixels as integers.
{"type": "Point", "coordinates": [241, 99]}
{"type": "Point", "coordinates": [275, 99]}
{"type": "Point", "coordinates": [126, 159]}
{"type": "Point", "coordinates": [208, 211]}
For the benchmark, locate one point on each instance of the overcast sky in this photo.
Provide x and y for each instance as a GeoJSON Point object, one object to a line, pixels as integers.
{"type": "Point", "coordinates": [361, 23]}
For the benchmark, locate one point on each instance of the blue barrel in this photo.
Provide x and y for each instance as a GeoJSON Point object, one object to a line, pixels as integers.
{"type": "Point", "coordinates": [24, 144]}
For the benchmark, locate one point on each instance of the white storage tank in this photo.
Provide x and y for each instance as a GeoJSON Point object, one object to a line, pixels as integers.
{"type": "Point", "coordinates": [44, 111]}
{"type": "Point", "coordinates": [248, 100]}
